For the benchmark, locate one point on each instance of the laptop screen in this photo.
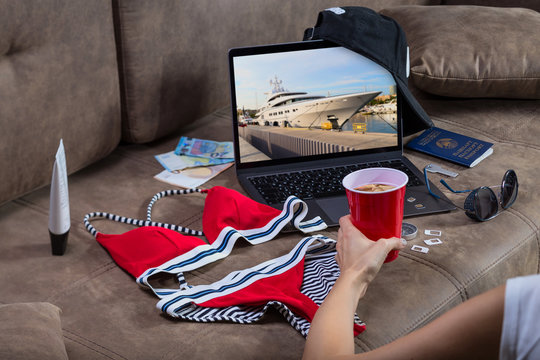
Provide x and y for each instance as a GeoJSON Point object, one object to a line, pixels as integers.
{"type": "Point", "coordinates": [310, 99]}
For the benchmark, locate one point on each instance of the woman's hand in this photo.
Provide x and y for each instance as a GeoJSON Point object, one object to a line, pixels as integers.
{"type": "Point", "coordinates": [360, 258]}
{"type": "Point", "coordinates": [331, 333]}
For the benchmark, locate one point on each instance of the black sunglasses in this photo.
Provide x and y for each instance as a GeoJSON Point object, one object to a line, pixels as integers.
{"type": "Point", "coordinates": [482, 203]}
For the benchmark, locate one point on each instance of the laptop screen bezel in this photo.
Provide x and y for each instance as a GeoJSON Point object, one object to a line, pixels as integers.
{"type": "Point", "coordinates": [288, 47]}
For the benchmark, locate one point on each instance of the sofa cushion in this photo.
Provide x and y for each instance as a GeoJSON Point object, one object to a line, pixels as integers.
{"type": "Point", "coordinates": [529, 4]}
{"type": "Point", "coordinates": [58, 79]}
{"type": "Point", "coordinates": [472, 51]}
{"type": "Point", "coordinates": [173, 58]}
{"type": "Point", "coordinates": [31, 331]}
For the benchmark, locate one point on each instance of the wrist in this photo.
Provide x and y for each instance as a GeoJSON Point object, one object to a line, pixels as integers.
{"type": "Point", "coordinates": [357, 283]}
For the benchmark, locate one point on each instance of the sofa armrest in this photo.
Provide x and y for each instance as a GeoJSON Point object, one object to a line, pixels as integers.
{"type": "Point", "coordinates": [31, 331]}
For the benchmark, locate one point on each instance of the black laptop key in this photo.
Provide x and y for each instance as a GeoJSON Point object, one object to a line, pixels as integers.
{"type": "Point", "coordinates": [318, 183]}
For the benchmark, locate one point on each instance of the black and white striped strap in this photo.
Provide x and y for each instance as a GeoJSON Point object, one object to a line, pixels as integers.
{"type": "Point", "coordinates": [165, 193]}
{"type": "Point", "coordinates": [173, 302]}
{"type": "Point", "coordinates": [137, 222]}
{"type": "Point", "coordinates": [148, 222]}
{"type": "Point", "coordinates": [294, 210]}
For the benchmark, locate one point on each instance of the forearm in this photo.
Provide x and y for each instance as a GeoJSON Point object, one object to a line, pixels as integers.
{"type": "Point", "coordinates": [331, 332]}
{"type": "Point", "coordinates": [472, 330]}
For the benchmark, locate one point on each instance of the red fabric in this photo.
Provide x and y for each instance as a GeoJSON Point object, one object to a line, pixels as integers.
{"type": "Point", "coordinates": [284, 288]}
{"type": "Point", "coordinates": [140, 249]}
{"type": "Point", "coordinates": [149, 246]}
{"type": "Point", "coordinates": [226, 207]}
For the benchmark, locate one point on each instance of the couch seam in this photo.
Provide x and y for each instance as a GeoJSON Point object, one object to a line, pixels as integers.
{"type": "Point", "coordinates": [74, 223]}
{"type": "Point", "coordinates": [461, 288]}
{"type": "Point", "coordinates": [538, 243]}
{"type": "Point", "coordinates": [192, 219]}
{"type": "Point", "coordinates": [525, 218]}
{"type": "Point", "coordinates": [479, 275]}
{"type": "Point", "coordinates": [370, 346]}
{"type": "Point", "coordinates": [488, 135]}
{"type": "Point", "coordinates": [120, 64]}
{"type": "Point", "coordinates": [223, 113]}
{"type": "Point", "coordinates": [430, 314]}
{"type": "Point", "coordinates": [473, 79]}
{"type": "Point", "coordinates": [23, 202]}
{"type": "Point", "coordinates": [91, 342]}
{"type": "Point", "coordinates": [536, 231]}
{"type": "Point", "coordinates": [441, 270]}
{"type": "Point", "coordinates": [88, 277]}
{"type": "Point", "coordinates": [121, 152]}
{"type": "Point", "coordinates": [471, 279]}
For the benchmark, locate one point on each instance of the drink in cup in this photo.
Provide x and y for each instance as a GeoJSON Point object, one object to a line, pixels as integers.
{"type": "Point", "coordinates": [376, 197]}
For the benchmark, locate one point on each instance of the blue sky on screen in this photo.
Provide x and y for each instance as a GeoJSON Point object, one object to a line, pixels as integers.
{"type": "Point", "coordinates": [332, 71]}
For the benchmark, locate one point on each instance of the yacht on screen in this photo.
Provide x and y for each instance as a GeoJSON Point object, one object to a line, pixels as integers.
{"type": "Point", "coordinates": [300, 109]}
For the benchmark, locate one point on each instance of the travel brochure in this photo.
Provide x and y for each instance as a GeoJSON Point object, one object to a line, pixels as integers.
{"type": "Point", "coordinates": [194, 162]}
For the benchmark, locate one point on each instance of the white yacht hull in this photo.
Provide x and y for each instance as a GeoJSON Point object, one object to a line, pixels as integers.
{"type": "Point", "coordinates": [313, 113]}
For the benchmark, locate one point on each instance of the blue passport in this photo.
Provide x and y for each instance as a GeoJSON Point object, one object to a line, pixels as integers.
{"type": "Point", "coordinates": [448, 145]}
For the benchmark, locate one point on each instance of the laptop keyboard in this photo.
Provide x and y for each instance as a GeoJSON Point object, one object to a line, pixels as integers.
{"type": "Point", "coordinates": [317, 183]}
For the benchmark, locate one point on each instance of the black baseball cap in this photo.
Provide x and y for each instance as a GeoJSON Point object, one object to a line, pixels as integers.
{"type": "Point", "coordinates": [380, 39]}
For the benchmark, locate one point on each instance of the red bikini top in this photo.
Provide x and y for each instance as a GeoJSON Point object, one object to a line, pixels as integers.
{"type": "Point", "coordinates": [155, 248]}
{"type": "Point", "coordinates": [227, 216]}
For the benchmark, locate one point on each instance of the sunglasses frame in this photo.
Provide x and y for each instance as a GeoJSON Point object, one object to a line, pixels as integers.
{"type": "Point", "coordinates": [470, 207]}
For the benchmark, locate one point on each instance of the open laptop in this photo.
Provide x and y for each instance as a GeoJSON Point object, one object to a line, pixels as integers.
{"type": "Point", "coordinates": [305, 115]}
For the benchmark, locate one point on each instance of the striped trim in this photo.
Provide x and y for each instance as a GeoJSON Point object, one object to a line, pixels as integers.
{"type": "Point", "coordinates": [314, 224]}
{"type": "Point", "coordinates": [224, 243]}
{"type": "Point", "coordinates": [122, 219]}
{"type": "Point", "coordinates": [166, 193]}
{"type": "Point", "coordinates": [148, 221]}
{"type": "Point", "coordinates": [236, 280]}
{"type": "Point", "coordinates": [320, 274]}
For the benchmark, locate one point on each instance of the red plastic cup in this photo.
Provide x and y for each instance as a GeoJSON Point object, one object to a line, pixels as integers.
{"type": "Point", "coordinates": [377, 214]}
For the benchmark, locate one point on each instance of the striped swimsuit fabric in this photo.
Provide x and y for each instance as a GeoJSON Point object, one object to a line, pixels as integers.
{"type": "Point", "coordinates": [295, 284]}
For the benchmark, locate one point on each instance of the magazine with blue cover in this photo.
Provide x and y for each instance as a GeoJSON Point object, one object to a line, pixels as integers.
{"type": "Point", "coordinates": [448, 145]}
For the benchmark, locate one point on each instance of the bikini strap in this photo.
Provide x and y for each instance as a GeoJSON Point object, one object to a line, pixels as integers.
{"type": "Point", "coordinates": [148, 222]}
{"type": "Point", "coordinates": [174, 301]}
{"type": "Point", "coordinates": [137, 222]}
{"type": "Point", "coordinates": [294, 210]}
{"type": "Point", "coordinates": [166, 193]}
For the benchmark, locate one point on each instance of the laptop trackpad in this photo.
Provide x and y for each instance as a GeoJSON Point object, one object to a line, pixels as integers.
{"type": "Point", "coordinates": [334, 207]}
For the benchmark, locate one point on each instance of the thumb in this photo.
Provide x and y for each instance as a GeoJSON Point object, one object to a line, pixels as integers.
{"type": "Point", "coordinates": [394, 243]}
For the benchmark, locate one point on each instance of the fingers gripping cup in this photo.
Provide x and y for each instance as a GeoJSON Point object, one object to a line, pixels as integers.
{"type": "Point", "coordinates": [376, 197]}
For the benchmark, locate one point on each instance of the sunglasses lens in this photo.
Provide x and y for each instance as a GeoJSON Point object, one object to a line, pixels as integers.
{"type": "Point", "coordinates": [509, 189]}
{"type": "Point", "coordinates": [486, 203]}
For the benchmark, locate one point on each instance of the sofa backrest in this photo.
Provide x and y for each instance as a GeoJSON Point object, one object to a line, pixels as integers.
{"type": "Point", "coordinates": [174, 53]}
{"type": "Point", "coordinates": [58, 79]}
{"type": "Point", "coordinates": [528, 4]}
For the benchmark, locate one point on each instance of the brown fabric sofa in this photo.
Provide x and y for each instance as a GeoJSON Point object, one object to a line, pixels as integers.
{"type": "Point", "coordinates": [120, 81]}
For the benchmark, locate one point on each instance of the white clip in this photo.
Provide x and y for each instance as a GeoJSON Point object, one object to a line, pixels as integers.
{"type": "Point", "coordinates": [434, 241]}
{"type": "Point", "coordinates": [418, 248]}
{"type": "Point", "coordinates": [433, 232]}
